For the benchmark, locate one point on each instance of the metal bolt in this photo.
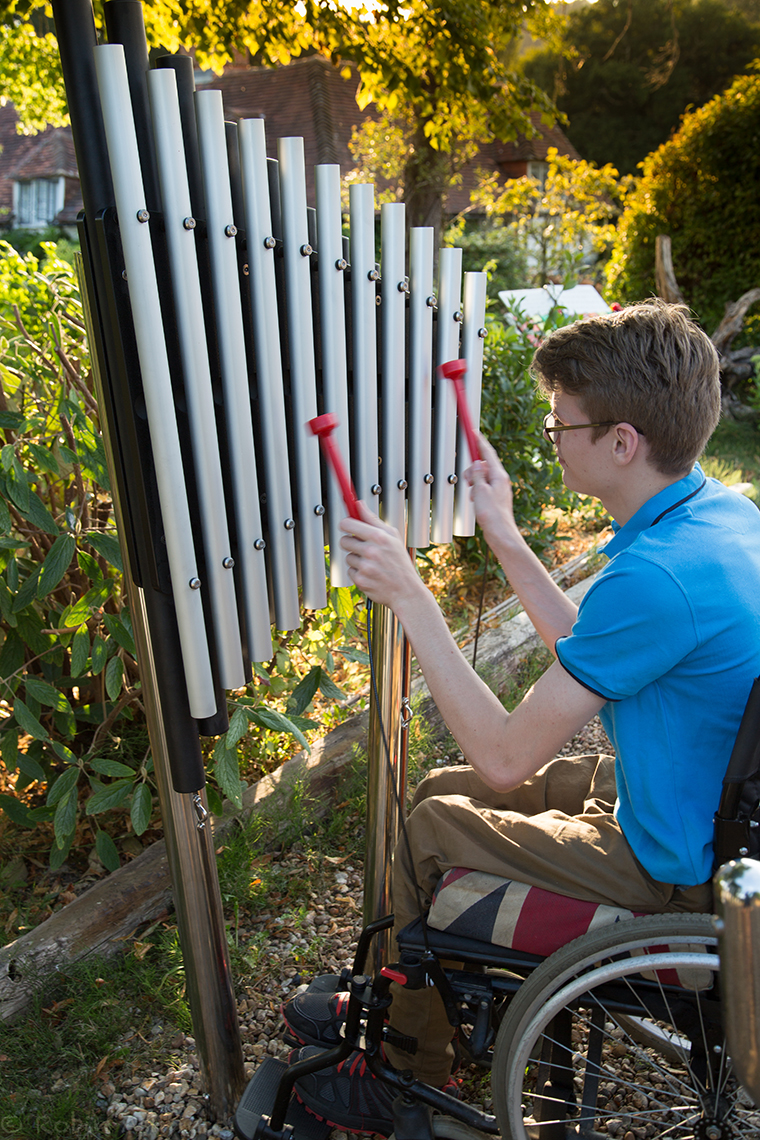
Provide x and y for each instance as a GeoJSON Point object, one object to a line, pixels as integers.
{"type": "Point", "coordinates": [189, 223]}
{"type": "Point", "coordinates": [402, 484]}
{"type": "Point", "coordinates": [230, 230]}
{"type": "Point", "coordinates": [429, 479]}
{"type": "Point", "coordinates": [289, 524]}
{"type": "Point", "coordinates": [228, 562]}
{"type": "Point", "coordinates": [453, 479]}
{"type": "Point", "coordinates": [376, 489]}
{"type": "Point", "coordinates": [259, 544]}
{"type": "Point", "coordinates": [341, 263]}
{"type": "Point", "coordinates": [373, 275]}
{"type": "Point", "coordinates": [306, 250]}
{"type": "Point", "coordinates": [403, 286]}
{"type": "Point", "coordinates": [482, 333]}
{"type": "Point", "coordinates": [744, 851]}
{"type": "Point", "coordinates": [432, 302]}
{"type": "Point", "coordinates": [246, 270]}
{"type": "Point", "coordinates": [269, 243]}
{"type": "Point", "coordinates": [124, 275]}
{"type": "Point", "coordinates": [459, 316]}
{"type": "Point", "coordinates": [319, 510]}
{"type": "Point", "coordinates": [143, 216]}
{"type": "Point", "coordinates": [194, 583]}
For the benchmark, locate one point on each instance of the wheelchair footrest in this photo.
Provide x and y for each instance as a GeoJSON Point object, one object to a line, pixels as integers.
{"type": "Point", "coordinates": [258, 1100]}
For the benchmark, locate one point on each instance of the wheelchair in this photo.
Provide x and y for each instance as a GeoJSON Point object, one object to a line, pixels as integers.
{"type": "Point", "coordinates": [594, 1022]}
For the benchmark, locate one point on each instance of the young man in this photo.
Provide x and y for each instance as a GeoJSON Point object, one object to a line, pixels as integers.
{"type": "Point", "coordinates": [664, 647]}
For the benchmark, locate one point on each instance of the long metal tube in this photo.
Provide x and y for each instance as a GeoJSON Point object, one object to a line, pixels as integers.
{"type": "Point", "coordinates": [261, 250]}
{"type": "Point", "coordinates": [230, 338]}
{"type": "Point", "coordinates": [447, 348]}
{"type": "Point", "coordinates": [332, 313]}
{"type": "Point", "coordinates": [393, 394]}
{"type": "Point", "coordinates": [364, 275]}
{"type": "Point", "coordinates": [183, 261]}
{"type": "Point", "coordinates": [387, 753]}
{"type": "Point", "coordinates": [154, 364]}
{"type": "Point", "coordinates": [303, 379]}
{"type": "Point", "coordinates": [473, 338]}
{"type": "Point", "coordinates": [421, 303]}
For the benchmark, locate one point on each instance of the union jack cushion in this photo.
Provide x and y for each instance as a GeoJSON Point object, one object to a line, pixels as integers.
{"type": "Point", "coordinates": [473, 904]}
{"type": "Point", "coordinates": [476, 905]}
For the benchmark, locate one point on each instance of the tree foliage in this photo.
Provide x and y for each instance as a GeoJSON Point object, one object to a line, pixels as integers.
{"type": "Point", "coordinates": [700, 188]}
{"type": "Point", "coordinates": [628, 70]}
{"type": "Point", "coordinates": [563, 226]}
{"type": "Point", "coordinates": [442, 68]}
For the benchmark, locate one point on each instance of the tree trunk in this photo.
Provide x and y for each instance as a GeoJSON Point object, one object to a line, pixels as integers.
{"type": "Point", "coordinates": [426, 177]}
{"type": "Point", "coordinates": [665, 279]}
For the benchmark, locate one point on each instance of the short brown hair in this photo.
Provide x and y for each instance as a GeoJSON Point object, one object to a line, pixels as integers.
{"type": "Point", "coordinates": [649, 365]}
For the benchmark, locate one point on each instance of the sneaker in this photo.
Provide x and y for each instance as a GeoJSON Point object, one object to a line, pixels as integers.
{"type": "Point", "coordinates": [346, 1095]}
{"type": "Point", "coordinates": [315, 1018]}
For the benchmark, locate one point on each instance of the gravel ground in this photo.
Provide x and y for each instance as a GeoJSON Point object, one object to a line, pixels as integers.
{"type": "Point", "coordinates": [155, 1104]}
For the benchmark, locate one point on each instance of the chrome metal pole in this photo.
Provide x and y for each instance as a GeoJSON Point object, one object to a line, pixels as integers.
{"type": "Point", "coordinates": [387, 757]}
{"type": "Point", "coordinates": [190, 853]}
{"type": "Point", "coordinates": [737, 895]}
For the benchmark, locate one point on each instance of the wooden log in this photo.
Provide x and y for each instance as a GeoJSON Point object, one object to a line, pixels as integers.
{"type": "Point", "coordinates": [733, 319]}
{"type": "Point", "coordinates": [664, 276]}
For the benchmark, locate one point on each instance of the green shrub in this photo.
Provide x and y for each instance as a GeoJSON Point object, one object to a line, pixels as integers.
{"type": "Point", "coordinates": [73, 747]}
{"type": "Point", "coordinates": [700, 188]}
{"type": "Point", "coordinates": [511, 417]}
{"type": "Point", "coordinates": [491, 247]}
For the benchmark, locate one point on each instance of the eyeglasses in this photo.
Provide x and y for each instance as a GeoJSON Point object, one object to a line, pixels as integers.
{"type": "Point", "coordinates": [552, 428]}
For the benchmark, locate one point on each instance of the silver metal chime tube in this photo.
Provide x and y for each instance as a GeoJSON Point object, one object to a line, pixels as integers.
{"type": "Point", "coordinates": [151, 347]}
{"type": "Point", "coordinates": [297, 251]}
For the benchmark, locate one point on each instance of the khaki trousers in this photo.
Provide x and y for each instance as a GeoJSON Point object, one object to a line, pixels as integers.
{"type": "Point", "coordinates": [556, 831]}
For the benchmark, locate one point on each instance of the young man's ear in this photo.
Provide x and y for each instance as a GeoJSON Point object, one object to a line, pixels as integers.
{"type": "Point", "coordinates": [626, 443]}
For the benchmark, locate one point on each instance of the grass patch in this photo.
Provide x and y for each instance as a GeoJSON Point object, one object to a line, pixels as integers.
{"type": "Point", "coordinates": [87, 1031]}
{"type": "Point", "coordinates": [737, 443]}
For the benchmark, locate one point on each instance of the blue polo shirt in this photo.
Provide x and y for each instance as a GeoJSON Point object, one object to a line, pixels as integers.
{"type": "Point", "coordinates": [669, 635]}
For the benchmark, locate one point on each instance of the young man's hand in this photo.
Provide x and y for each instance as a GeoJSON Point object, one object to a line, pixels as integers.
{"type": "Point", "coordinates": [379, 563]}
{"type": "Point", "coordinates": [492, 498]}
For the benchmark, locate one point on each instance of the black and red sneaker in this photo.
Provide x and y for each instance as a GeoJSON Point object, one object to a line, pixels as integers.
{"type": "Point", "coordinates": [315, 1017]}
{"type": "Point", "coordinates": [346, 1095]}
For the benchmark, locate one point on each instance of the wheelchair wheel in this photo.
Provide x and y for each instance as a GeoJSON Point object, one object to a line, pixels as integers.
{"type": "Point", "coordinates": [596, 1045]}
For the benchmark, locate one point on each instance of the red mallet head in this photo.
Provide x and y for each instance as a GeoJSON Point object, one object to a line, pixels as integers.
{"type": "Point", "coordinates": [454, 370]}
{"type": "Point", "coordinates": [323, 427]}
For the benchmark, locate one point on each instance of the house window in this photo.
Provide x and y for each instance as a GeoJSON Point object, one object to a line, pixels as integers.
{"type": "Point", "coordinates": [38, 201]}
{"type": "Point", "coordinates": [539, 171]}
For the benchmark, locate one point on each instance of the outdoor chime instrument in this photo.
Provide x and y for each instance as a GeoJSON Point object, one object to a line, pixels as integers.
{"type": "Point", "coordinates": [225, 316]}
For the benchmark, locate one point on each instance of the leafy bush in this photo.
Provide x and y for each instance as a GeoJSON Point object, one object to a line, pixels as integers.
{"type": "Point", "coordinates": [490, 247]}
{"type": "Point", "coordinates": [72, 742]}
{"type": "Point", "coordinates": [700, 188]}
{"type": "Point", "coordinates": [511, 417]}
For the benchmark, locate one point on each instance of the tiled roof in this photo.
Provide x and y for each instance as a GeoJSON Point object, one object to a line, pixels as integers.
{"type": "Point", "coordinates": [51, 156]}
{"type": "Point", "coordinates": [308, 98]}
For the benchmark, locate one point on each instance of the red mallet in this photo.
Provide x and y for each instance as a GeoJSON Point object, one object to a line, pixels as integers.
{"type": "Point", "coordinates": [454, 370]}
{"type": "Point", "coordinates": [323, 427]}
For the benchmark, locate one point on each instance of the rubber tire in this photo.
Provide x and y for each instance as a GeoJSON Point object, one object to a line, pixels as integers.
{"type": "Point", "coordinates": [582, 958]}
